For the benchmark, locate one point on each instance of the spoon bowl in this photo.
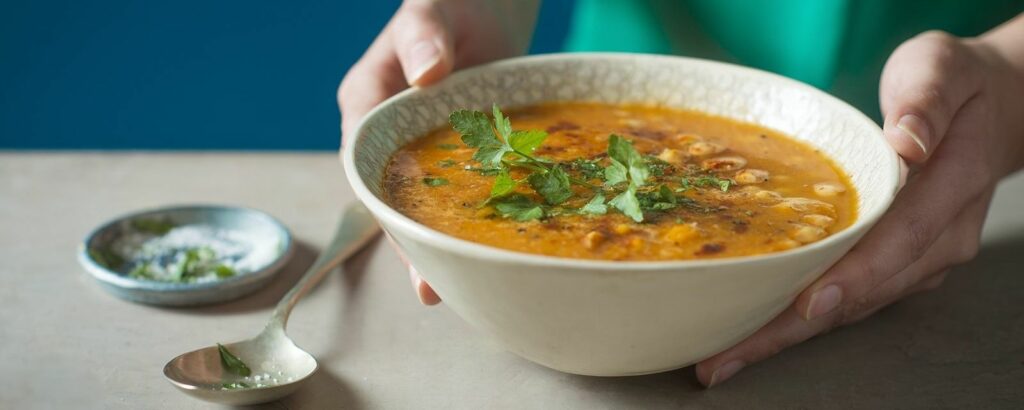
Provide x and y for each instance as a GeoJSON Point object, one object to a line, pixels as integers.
{"type": "Point", "coordinates": [282, 369]}
{"type": "Point", "coordinates": [278, 367]}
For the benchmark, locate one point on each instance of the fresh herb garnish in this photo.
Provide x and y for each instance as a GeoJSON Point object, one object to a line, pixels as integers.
{"type": "Point", "coordinates": [626, 176]}
{"type": "Point", "coordinates": [231, 362]}
{"type": "Point", "coordinates": [596, 206]}
{"type": "Point", "coordinates": [432, 181]}
{"type": "Point", "coordinates": [588, 168]}
{"type": "Point", "coordinates": [519, 207]}
{"type": "Point", "coordinates": [235, 385]}
{"type": "Point", "coordinates": [445, 163]}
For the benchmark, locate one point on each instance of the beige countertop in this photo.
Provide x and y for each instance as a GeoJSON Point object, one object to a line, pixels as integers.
{"type": "Point", "coordinates": [65, 343]}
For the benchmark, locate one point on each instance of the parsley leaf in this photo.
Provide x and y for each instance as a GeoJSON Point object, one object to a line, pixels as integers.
{"type": "Point", "coordinates": [518, 207]}
{"type": "Point", "coordinates": [709, 181]}
{"type": "Point", "coordinates": [476, 132]}
{"type": "Point", "coordinates": [552, 185]}
{"type": "Point", "coordinates": [503, 184]}
{"type": "Point", "coordinates": [622, 151]}
{"type": "Point", "coordinates": [433, 181]}
{"type": "Point", "coordinates": [661, 199]}
{"type": "Point", "coordinates": [588, 168]}
{"type": "Point", "coordinates": [615, 173]}
{"type": "Point", "coordinates": [596, 206]}
{"type": "Point", "coordinates": [527, 141]}
{"type": "Point", "coordinates": [231, 362]}
{"type": "Point", "coordinates": [628, 204]}
{"type": "Point", "coordinates": [501, 123]}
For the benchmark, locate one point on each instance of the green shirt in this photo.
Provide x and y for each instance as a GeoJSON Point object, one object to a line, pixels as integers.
{"type": "Point", "coordinates": [836, 45]}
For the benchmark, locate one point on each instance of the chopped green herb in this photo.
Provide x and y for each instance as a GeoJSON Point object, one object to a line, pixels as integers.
{"type": "Point", "coordinates": [445, 163]}
{"type": "Point", "coordinates": [432, 181]}
{"type": "Point", "coordinates": [232, 363]}
{"type": "Point", "coordinates": [628, 204]}
{"type": "Point", "coordinates": [448, 147]}
{"type": "Point", "coordinates": [657, 166]}
{"type": "Point", "coordinates": [503, 184]}
{"type": "Point", "coordinates": [141, 272]}
{"type": "Point", "coordinates": [235, 385]}
{"type": "Point", "coordinates": [518, 207]}
{"type": "Point", "coordinates": [596, 206]}
{"type": "Point", "coordinates": [224, 271]}
{"type": "Point", "coordinates": [553, 185]}
{"type": "Point", "coordinates": [589, 169]}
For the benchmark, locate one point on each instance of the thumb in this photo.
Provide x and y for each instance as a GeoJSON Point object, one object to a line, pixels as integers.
{"type": "Point", "coordinates": [423, 42]}
{"type": "Point", "coordinates": [924, 83]}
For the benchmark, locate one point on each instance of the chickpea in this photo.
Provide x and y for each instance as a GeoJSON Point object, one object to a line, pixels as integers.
{"type": "Point", "coordinates": [622, 229]}
{"type": "Point", "coordinates": [593, 239]}
{"type": "Point", "coordinates": [827, 189]}
{"type": "Point", "coordinates": [681, 139]}
{"type": "Point", "coordinates": [820, 221]}
{"type": "Point", "coordinates": [672, 156]}
{"type": "Point", "coordinates": [701, 148]}
{"type": "Point", "coordinates": [680, 233]}
{"type": "Point", "coordinates": [729, 163]}
{"type": "Point", "coordinates": [807, 233]}
{"type": "Point", "coordinates": [806, 206]}
{"type": "Point", "coordinates": [751, 176]}
{"type": "Point", "coordinates": [768, 197]}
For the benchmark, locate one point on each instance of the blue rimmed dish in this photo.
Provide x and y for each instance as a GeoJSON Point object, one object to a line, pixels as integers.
{"type": "Point", "coordinates": [264, 243]}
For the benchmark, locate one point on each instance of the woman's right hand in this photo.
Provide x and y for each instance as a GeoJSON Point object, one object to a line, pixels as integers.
{"type": "Point", "coordinates": [424, 42]}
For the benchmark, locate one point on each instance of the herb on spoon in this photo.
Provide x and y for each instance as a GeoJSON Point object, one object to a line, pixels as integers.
{"type": "Point", "coordinates": [232, 363]}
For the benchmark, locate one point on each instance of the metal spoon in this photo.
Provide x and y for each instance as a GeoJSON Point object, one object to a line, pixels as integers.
{"type": "Point", "coordinates": [278, 366]}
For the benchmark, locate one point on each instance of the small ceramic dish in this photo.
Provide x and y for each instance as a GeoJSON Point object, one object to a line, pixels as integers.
{"type": "Point", "coordinates": [621, 318]}
{"type": "Point", "coordinates": [260, 245]}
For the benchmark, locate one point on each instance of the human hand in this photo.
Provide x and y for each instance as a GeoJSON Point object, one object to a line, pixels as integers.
{"type": "Point", "coordinates": [952, 110]}
{"type": "Point", "coordinates": [424, 42]}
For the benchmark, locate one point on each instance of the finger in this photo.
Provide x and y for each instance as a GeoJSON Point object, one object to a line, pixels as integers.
{"type": "Point", "coordinates": [958, 244]}
{"type": "Point", "coordinates": [424, 292]}
{"type": "Point", "coordinates": [924, 83]}
{"type": "Point", "coordinates": [785, 330]}
{"type": "Point", "coordinates": [424, 42]}
{"type": "Point", "coordinates": [920, 213]}
{"type": "Point", "coordinates": [373, 79]}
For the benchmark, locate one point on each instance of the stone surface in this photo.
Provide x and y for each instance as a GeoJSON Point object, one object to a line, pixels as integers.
{"type": "Point", "coordinates": [64, 343]}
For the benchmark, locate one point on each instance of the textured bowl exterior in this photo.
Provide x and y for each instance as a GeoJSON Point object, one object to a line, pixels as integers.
{"type": "Point", "coordinates": [621, 318]}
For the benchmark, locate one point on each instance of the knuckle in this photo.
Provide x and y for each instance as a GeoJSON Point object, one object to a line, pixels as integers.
{"type": "Point", "coordinates": [918, 236]}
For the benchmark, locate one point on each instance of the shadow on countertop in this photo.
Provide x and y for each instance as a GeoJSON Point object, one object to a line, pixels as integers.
{"type": "Point", "coordinates": [956, 347]}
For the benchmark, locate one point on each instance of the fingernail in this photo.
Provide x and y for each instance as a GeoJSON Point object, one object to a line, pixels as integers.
{"type": "Point", "coordinates": [726, 371]}
{"type": "Point", "coordinates": [913, 127]}
{"type": "Point", "coordinates": [423, 56]}
{"type": "Point", "coordinates": [823, 301]}
{"type": "Point", "coordinates": [417, 282]}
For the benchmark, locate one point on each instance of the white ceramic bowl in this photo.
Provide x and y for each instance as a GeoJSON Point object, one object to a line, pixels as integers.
{"type": "Point", "coordinates": [621, 318]}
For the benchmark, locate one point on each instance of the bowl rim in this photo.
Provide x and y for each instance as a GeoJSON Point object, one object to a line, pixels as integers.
{"type": "Point", "coordinates": [380, 208]}
{"type": "Point", "coordinates": [121, 281]}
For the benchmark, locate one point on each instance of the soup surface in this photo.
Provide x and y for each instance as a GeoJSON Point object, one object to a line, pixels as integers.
{"type": "Point", "coordinates": [632, 183]}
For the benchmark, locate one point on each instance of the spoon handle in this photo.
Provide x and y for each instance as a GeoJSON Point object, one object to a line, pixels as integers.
{"type": "Point", "coordinates": [355, 228]}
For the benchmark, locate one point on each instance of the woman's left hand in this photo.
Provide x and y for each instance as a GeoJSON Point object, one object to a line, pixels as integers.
{"type": "Point", "coordinates": [954, 109]}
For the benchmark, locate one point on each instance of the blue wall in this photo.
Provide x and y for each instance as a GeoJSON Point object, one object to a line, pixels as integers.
{"type": "Point", "coordinates": [186, 74]}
